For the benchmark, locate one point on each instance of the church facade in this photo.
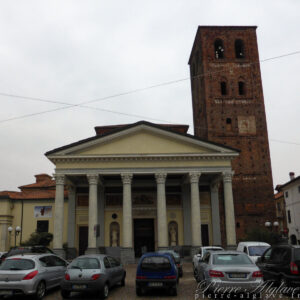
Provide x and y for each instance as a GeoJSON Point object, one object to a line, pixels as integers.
{"type": "Point", "coordinates": [142, 187]}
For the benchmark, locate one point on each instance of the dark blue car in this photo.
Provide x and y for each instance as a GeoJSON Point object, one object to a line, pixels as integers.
{"type": "Point", "coordinates": [156, 271]}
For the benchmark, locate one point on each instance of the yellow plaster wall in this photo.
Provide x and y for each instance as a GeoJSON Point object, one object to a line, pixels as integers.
{"type": "Point", "coordinates": [143, 142]}
{"type": "Point", "coordinates": [30, 222]}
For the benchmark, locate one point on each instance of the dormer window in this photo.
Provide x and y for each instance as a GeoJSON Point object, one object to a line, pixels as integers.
{"type": "Point", "coordinates": [219, 49]}
{"type": "Point", "coordinates": [239, 49]}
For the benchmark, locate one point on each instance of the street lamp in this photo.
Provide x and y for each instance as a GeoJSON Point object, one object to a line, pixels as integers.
{"type": "Point", "coordinates": [17, 232]}
{"type": "Point", "coordinates": [271, 225]}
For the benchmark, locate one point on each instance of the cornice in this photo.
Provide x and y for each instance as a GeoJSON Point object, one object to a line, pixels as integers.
{"type": "Point", "coordinates": [143, 157]}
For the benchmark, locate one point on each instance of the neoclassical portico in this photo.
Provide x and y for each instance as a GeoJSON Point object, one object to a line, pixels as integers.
{"type": "Point", "coordinates": [161, 175]}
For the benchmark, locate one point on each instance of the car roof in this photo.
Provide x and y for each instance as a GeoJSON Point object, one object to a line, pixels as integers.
{"type": "Point", "coordinates": [148, 254]}
{"type": "Point", "coordinates": [93, 256]}
{"type": "Point", "coordinates": [30, 255]}
{"type": "Point", "coordinates": [254, 244]}
{"type": "Point", "coordinates": [227, 252]}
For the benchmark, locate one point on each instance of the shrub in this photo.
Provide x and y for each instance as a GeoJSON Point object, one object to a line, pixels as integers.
{"type": "Point", "coordinates": [39, 238]}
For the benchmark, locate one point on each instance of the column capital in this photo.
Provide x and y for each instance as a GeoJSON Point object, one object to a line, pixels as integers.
{"type": "Point", "coordinates": [214, 185]}
{"type": "Point", "coordinates": [93, 179]}
{"type": "Point", "coordinates": [161, 177]}
{"type": "Point", "coordinates": [59, 179]}
{"type": "Point", "coordinates": [126, 178]}
{"type": "Point", "coordinates": [194, 177]}
{"type": "Point", "coordinates": [71, 189]}
{"type": "Point", "coordinates": [227, 176]}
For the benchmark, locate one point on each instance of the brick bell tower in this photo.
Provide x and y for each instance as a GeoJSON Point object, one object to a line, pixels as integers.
{"type": "Point", "coordinates": [228, 108]}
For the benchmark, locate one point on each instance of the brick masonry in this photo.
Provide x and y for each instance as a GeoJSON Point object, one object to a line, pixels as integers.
{"type": "Point", "coordinates": [234, 118]}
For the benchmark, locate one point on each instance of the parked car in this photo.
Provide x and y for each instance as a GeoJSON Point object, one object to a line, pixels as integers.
{"type": "Point", "coordinates": [228, 269]}
{"type": "Point", "coordinates": [156, 271]}
{"type": "Point", "coordinates": [202, 250]}
{"type": "Point", "coordinates": [92, 273]}
{"type": "Point", "coordinates": [31, 274]}
{"type": "Point", "coordinates": [177, 260]}
{"type": "Point", "coordinates": [281, 264]}
{"type": "Point", "coordinates": [253, 249]}
{"type": "Point", "coordinates": [26, 249]}
{"type": "Point", "coordinates": [2, 254]}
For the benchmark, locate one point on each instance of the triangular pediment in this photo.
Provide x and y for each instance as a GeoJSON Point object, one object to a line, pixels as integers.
{"type": "Point", "coordinates": [142, 139]}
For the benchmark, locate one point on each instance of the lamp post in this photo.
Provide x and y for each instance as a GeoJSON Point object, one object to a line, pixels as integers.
{"type": "Point", "coordinates": [271, 225]}
{"type": "Point", "coordinates": [17, 232]}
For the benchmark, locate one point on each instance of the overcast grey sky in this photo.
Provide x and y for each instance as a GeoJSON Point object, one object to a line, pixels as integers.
{"type": "Point", "coordinates": [76, 51]}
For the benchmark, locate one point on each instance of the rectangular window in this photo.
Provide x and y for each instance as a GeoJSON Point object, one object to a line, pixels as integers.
{"type": "Point", "coordinates": [299, 188]}
{"type": "Point", "coordinates": [286, 194]}
{"type": "Point", "coordinates": [289, 217]}
{"type": "Point", "coordinates": [223, 88]}
{"type": "Point", "coordinates": [42, 226]}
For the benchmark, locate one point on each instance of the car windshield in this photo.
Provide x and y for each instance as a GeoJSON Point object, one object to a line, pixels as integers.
{"type": "Point", "coordinates": [17, 264]}
{"type": "Point", "coordinates": [85, 263]}
{"type": "Point", "coordinates": [175, 254]}
{"type": "Point", "coordinates": [155, 263]}
{"type": "Point", "coordinates": [231, 259]}
{"type": "Point", "coordinates": [257, 250]}
{"type": "Point", "coordinates": [297, 254]}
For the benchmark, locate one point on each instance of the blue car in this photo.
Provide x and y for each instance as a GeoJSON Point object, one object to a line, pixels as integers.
{"type": "Point", "coordinates": [156, 271]}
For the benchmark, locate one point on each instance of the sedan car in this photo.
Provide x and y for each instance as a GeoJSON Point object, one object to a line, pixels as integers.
{"type": "Point", "coordinates": [229, 272]}
{"type": "Point", "coordinates": [31, 274]}
{"type": "Point", "coordinates": [92, 273]}
{"type": "Point", "coordinates": [156, 271]}
{"type": "Point", "coordinates": [177, 260]}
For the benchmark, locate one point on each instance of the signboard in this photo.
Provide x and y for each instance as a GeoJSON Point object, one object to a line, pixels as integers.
{"type": "Point", "coordinates": [43, 211]}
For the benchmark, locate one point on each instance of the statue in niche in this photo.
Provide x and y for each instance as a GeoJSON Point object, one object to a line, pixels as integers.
{"type": "Point", "coordinates": [114, 234]}
{"type": "Point", "coordinates": [173, 233]}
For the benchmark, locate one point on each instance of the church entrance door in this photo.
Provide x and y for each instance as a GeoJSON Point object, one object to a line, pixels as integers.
{"type": "Point", "coordinates": [143, 236]}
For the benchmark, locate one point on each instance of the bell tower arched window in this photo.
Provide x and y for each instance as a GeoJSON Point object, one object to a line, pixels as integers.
{"type": "Point", "coordinates": [239, 49]}
{"type": "Point", "coordinates": [219, 49]}
{"type": "Point", "coordinates": [223, 87]}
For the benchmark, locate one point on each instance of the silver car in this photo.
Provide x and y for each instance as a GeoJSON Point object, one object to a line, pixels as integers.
{"type": "Point", "coordinates": [231, 272]}
{"type": "Point", "coordinates": [31, 274]}
{"type": "Point", "coordinates": [92, 273]}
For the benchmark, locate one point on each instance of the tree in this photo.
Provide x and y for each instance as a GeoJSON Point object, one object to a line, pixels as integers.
{"type": "Point", "coordinates": [39, 238]}
{"type": "Point", "coordinates": [261, 234]}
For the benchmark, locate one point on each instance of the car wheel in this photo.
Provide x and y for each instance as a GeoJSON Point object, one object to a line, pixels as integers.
{"type": "Point", "coordinates": [65, 294]}
{"type": "Point", "coordinates": [105, 291]}
{"type": "Point", "coordinates": [40, 290]}
{"type": "Point", "coordinates": [122, 283]}
{"type": "Point", "coordinates": [173, 291]}
{"type": "Point", "coordinates": [138, 292]}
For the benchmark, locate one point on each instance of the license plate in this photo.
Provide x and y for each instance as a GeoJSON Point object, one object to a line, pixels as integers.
{"type": "Point", "coordinates": [6, 292]}
{"type": "Point", "coordinates": [79, 286]}
{"type": "Point", "coordinates": [237, 275]}
{"type": "Point", "coordinates": [155, 284]}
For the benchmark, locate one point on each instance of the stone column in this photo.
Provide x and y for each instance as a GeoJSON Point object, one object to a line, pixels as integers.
{"type": "Point", "coordinates": [186, 210]}
{"type": "Point", "coordinates": [71, 222]}
{"type": "Point", "coordinates": [195, 212]}
{"type": "Point", "coordinates": [229, 210]}
{"type": "Point", "coordinates": [101, 207]}
{"type": "Point", "coordinates": [215, 213]}
{"type": "Point", "coordinates": [127, 251]}
{"type": "Point", "coordinates": [162, 227]}
{"type": "Point", "coordinates": [59, 215]}
{"type": "Point", "coordinates": [93, 213]}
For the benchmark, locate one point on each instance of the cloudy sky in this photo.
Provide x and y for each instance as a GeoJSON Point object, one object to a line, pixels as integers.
{"type": "Point", "coordinates": [71, 52]}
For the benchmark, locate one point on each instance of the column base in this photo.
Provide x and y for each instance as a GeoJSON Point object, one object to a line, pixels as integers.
{"type": "Point", "coordinates": [127, 256]}
{"type": "Point", "coordinates": [231, 247]}
{"type": "Point", "coordinates": [92, 251]}
{"type": "Point", "coordinates": [71, 253]}
{"type": "Point", "coordinates": [60, 252]}
{"type": "Point", "coordinates": [194, 250]}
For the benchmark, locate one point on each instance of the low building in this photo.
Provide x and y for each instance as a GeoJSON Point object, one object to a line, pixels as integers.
{"type": "Point", "coordinates": [291, 192]}
{"type": "Point", "coordinates": [280, 211]}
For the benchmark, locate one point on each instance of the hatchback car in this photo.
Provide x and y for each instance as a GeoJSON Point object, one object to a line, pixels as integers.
{"type": "Point", "coordinates": [31, 274]}
{"type": "Point", "coordinates": [92, 273]}
{"type": "Point", "coordinates": [177, 260]}
{"type": "Point", "coordinates": [225, 270]}
{"type": "Point", "coordinates": [281, 264]}
{"type": "Point", "coordinates": [156, 271]}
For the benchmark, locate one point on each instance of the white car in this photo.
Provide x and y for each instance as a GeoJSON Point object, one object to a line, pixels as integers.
{"type": "Point", "coordinates": [202, 250]}
{"type": "Point", "coordinates": [253, 249]}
